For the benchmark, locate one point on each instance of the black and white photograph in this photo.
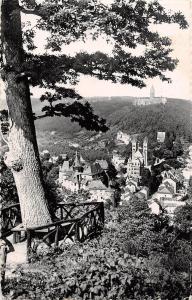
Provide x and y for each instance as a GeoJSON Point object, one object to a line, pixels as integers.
{"type": "Point", "coordinates": [95, 149]}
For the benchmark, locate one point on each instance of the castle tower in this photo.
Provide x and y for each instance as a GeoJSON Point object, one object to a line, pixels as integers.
{"type": "Point", "coordinates": [134, 146]}
{"type": "Point", "coordinates": [145, 150]}
{"type": "Point", "coordinates": [152, 93]}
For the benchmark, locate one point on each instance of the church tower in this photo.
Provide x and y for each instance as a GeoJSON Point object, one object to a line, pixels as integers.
{"type": "Point", "coordinates": [152, 93]}
{"type": "Point", "coordinates": [77, 166]}
{"type": "Point", "coordinates": [145, 149]}
{"type": "Point", "coordinates": [134, 146]}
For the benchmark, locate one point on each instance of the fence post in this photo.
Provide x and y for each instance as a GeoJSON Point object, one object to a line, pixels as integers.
{"type": "Point", "coordinates": [102, 211]}
{"type": "Point", "coordinates": [57, 236]}
{"type": "Point", "coordinates": [3, 258]}
{"type": "Point", "coordinates": [29, 245]}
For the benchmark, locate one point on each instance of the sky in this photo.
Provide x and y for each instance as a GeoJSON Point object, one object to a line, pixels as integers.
{"type": "Point", "coordinates": [181, 86]}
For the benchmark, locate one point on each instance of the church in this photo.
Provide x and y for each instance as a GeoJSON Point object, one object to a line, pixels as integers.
{"type": "Point", "coordinates": [138, 160]}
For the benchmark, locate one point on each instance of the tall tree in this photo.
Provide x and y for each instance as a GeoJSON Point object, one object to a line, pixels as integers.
{"type": "Point", "coordinates": [126, 24]}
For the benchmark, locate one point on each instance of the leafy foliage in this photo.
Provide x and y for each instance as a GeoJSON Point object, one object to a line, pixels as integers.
{"type": "Point", "coordinates": [8, 191]}
{"type": "Point", "coordinates": [139, 256]}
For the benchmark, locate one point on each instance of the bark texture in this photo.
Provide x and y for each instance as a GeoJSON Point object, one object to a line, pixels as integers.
{"type": "Point", "coordinates": [23, 157]}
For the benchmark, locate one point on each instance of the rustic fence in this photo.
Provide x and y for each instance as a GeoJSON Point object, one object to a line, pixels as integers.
{"type": "Point", "coordinates": [10, 217]}
{"type": "Point", "coordinates": [75, 221]}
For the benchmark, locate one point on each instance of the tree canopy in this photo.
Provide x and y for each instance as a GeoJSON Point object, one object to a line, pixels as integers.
{"type": "Point", "coordinates": [124, 24]}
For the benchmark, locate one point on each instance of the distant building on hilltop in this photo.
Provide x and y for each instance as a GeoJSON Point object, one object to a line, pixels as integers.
{"type": "Point", "coordinates": [150, 100]}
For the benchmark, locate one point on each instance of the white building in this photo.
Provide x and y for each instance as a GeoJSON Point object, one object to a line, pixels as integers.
{"type": "Point", "coordinates": [144, 192]}
{"type": "Point", "coordinates": [161, 136]}
{"type": "Point", "coordinates": [123, 137]}
{"type": "Point", "coordinates": [165, 191]}
{"type": "Point", "coordinates": [99, 192]}
{"type": "Point", "coordinates": [117, 160]}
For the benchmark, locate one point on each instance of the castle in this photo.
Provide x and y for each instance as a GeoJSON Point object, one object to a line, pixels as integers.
{"type": "Point", "coordinates": [151, 100]}
{"type": "Point", "coordinates": [138, 160]}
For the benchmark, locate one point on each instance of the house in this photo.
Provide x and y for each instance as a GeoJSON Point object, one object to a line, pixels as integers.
{"type": "Point", "coordinates": [131, 186]}
{"type": "Point", "coordinates": [71, 184]}
{"type": "Point", "coordinates": [126, 195]}
{"type": "Point", "coordinates": [123, 138]}
{"type": "Point", "coordinates": [161, 136]}
{"type": "Point", "coordinates": [99, 192]}
{"type": "Point", "coordinates": [165, 191]}
{"type": "Point", "coordinates": [172, 182]}
{"type": "Point", "coordinates": [154, 206]}
{"type": "Point", "coordinates": [44, 152]}
{"type": "Point", "coordinates": [64, 156]}
{"type": "Point", "coordinates": [174, 177]}
{"type": "Point", "coordinates": [53, 159]}
{"type": "Point", "coordinates": [78, 174]}
{"type": "Point", "coordinates": [117, 160]}
{"type": "Point", "coordinates": [171, 205]}
{"type": "Point", "coordinates": [144, 192]}
{"type": "Point", "coordinates": [187, 174]}
{"type": "Point", "coordinates": [65, 171]}
{"type": "Point", "coordinates": [103, 163]}
{"type": "Point", "coordinates": [92, 171]}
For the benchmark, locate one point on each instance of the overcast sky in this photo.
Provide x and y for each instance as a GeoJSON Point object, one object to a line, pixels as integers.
{"type": "Point", "coordinates": [180, 86]}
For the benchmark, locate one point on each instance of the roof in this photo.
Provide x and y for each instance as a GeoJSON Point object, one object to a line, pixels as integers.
{"type": "Point", "coordinates": [138, 154]}
{"type": "Point", "coordinates": [98, 185]}
{"type": "Point", "coordinates": [77, 162]}
{"type": "Point", "coordinates": [165, 189]}
{"type": "Point", "coordinates": [131, 183]}
{"type": "Point", "coordinates": [173, 179]}
{"type": "Point", "coordinates": [103, 163]}
{"type": "Point", "coordinates": [72, 178]}
{"type": "Point", "coordinates": [140, 195]}
{"type": "Point", "coordinates": [65, 167]}
{"type": "Point", "coordinates": [145, 188]}
{"type": "Point", "coordinates": [82, 160]}
{"type": "Point", "coordinates": [93, 169]}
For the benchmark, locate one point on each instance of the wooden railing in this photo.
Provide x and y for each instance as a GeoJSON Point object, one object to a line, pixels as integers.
{"type": "Point", "coordinates": [74, 225]}
{"type": "Point", "coordinates": [75, 221]}
{"type": "Point", "coordinates": [10, 217]}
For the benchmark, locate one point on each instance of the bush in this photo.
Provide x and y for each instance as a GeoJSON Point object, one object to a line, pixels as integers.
{"type": "Point", "coordinates": [133, 259]}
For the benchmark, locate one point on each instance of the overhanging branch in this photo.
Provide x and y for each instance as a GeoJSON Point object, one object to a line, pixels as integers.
{"type": "Point", "coordinates": [35, 11]}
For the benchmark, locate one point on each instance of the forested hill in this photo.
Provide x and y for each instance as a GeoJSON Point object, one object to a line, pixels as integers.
{"type": "Point", "coordinates": [175, 117]}
{"type": "Point", "coordinates": [122, 115]}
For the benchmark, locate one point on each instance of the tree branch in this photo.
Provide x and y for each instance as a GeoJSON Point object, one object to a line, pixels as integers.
{"type": "Point", "coordinates": [34, 11]}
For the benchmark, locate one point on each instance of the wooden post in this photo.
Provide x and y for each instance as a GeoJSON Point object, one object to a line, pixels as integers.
{"type": "Point", "coordinates": [28, 245]}
{"type": "Point", "coordinates": [61, 213]}
{"type": "Point", "coordinates": [3, 258]}
{"type": "Point", "coordinates": [57, 236]}
{"type": "Point", "coordinates": [102, 212]}
{"type": "Point", "coordinates": [3, 255]}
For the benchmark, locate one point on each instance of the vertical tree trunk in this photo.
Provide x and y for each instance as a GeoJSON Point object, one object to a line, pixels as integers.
{"type": "Point", "coordinates": [23, 157]}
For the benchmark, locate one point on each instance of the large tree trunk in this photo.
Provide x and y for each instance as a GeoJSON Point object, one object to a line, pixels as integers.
{"type": "Point", "coordinates": [23, 157]}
